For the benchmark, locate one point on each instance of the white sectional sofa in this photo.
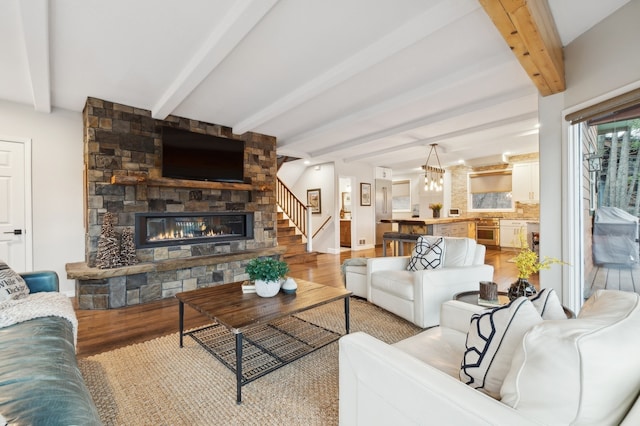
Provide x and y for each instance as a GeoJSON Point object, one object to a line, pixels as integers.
{"type": "Point", "coordinates": [417, 295]}
{"type": "Point", "coordinates": [583, 371]}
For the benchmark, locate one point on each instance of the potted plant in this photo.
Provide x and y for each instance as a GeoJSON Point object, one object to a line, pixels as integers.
{"type": "Point", "coordinates": [436, 209]}
{"type": "Point", "coordinates": [528, 263]}
{"type": "Point", "coordinates": [266, 272]}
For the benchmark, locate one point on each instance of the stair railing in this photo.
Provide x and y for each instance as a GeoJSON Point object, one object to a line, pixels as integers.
{"type": "Point", "coordinates": [292, 207]}
{"type": "Point", "coordinates": [326, 221]}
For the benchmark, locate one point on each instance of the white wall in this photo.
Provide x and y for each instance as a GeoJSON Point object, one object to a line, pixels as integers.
{"type": "Point", "coordinates": [57, 164]}
{"type": "Point", "coordinates": [551, 161]}
{"type": "Point", "coordinates": [363, 220]}
{"type": "Point", "coordinates": [605, 57]}
{"type": "Point", "coordinates": [323, 177]}
{"type": "Point", "coordinates": [300, 178]}
{"type": "Point", "coordinates": [598, 63]}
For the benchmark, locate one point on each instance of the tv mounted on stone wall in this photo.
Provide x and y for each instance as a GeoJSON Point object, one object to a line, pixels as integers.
{"type": "Point", "coordinates": [195, 156]}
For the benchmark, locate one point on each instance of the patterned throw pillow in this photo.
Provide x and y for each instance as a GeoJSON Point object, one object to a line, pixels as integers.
{"type": "Point", "coordinates": [548, 305]}
{"type": "Point", "coordinates": [427, 254]}
{"type": "Point", "coordinates": [12, 286]}
{"type": "Point", "coordinates": [492, 339]}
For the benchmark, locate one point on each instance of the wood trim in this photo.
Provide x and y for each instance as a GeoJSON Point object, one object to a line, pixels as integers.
{"type": "Point", "coordinates": [184, 183]}
{"type": "Point", "coordinates": [529, 29]}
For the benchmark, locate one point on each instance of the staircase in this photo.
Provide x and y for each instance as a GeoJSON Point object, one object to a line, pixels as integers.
{"type": "Point", "coordinates": [289, 237]}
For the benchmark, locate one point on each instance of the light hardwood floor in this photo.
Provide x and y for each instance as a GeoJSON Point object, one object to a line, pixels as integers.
{"type": "Point", "coordinates": [103, 330]}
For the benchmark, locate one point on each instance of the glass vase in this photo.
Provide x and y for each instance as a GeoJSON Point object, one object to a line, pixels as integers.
{"type": "Point", "coordinates": [521, 287]}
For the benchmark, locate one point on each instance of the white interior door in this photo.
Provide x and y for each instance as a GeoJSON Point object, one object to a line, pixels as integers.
{"type": "Point", "coordinates": [14, 209]}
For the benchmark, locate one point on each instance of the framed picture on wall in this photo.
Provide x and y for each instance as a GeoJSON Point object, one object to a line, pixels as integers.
{"type": "Point", "coordinates": [365, 194]}
{"type": "Point", "coordinates": [313, 200]}
{"type": "Point", "coordinates": [346, 202]}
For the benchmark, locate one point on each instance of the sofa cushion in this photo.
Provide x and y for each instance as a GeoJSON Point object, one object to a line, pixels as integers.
{"type": "Point", "coordinates": [40, 381]}
{"type": "Point", "coordinates": [428, 253]}
{"type": "Point", "coordinates": [12, 286]}
{"type": "Point", "coordinates": [460, 251]}
{"type": "Point", "coordinates": [440, 347]}
{"type": "Point", "coordinates": [492, 339]}
{"type": "Point", "coordinates": [580, 371]}
{"type": "Point", "coordinates": [548, 305]}
{"type": "Point", "coordinates": [396, 283]}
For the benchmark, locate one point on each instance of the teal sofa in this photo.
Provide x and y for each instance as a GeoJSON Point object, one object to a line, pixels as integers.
{"type": "Point", "coordinates": [40, 383]}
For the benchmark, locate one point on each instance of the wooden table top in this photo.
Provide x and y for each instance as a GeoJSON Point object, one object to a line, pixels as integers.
{"type": "Point", "coordinates": [229, 306]}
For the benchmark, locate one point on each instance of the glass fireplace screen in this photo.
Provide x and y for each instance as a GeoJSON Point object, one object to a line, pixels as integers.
{"type": "Point", "coordinates": [163, 229]}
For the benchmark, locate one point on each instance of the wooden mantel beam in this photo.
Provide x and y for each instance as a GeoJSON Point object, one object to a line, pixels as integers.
{"type": "Point", "coordinates": [530, 31]}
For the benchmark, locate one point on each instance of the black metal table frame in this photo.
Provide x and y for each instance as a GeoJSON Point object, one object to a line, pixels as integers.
{"type": "Point", "coordinates": [239, 336]}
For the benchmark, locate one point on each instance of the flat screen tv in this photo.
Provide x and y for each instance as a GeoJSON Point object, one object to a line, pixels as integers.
{"type": "Point", "coordinates": [194, 156]}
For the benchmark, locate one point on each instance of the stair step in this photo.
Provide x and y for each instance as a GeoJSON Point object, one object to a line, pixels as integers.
{"type": "Point", "coordinates": [286, 240]}
{"type": "Point", "coordinates": [296, 248]}
{"type": "Point", "coordinates": [286, 231]}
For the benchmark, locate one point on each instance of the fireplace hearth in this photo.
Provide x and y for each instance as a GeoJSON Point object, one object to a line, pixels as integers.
{"type": "Point", "coordinates": [170, 229]}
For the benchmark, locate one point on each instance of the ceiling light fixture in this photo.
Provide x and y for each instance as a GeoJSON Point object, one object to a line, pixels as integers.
{"type": "Point", "coordinates": [433, 176]}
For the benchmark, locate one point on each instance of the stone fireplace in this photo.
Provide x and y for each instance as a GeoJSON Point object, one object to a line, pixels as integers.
{"type": "Point", "coordinates": [175, 229]}
{"type": "Point", "coordinates": [123, 160]}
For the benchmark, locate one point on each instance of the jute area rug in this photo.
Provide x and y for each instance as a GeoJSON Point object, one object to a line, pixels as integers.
{"type": "Point", "coordinates": [158, 383]}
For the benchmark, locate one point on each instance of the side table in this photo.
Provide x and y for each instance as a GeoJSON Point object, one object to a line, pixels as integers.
{"type": "Point", "coordinates": [503, 298]}
{"type": "Point", "coordinates": [473, 298]}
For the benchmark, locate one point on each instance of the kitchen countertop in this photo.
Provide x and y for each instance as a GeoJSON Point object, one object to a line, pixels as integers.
{"type": "Point", "coordinates": [430, 221]}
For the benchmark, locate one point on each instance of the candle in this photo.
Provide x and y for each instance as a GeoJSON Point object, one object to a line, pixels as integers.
{"type": "Point", "coordinates": [488, 290]}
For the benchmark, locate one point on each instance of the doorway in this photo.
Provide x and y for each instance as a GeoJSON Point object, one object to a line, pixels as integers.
{"type": "Point", "coordinates": [346, 212]}
{"type": "Point", "coordinates": [605, 145]}
{"type": "Point", "coordinates": [15, 204]}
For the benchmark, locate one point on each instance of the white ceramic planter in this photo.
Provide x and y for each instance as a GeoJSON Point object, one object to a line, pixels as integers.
{"type": "Point", "coordinates": [267, 288]}
{"type": "Point", "coordinates": [289, 286]}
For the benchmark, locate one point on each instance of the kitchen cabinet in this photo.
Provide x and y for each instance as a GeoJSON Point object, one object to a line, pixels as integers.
{"type": "Point", "coordinates": [525, 183]}
{"type": "Point", "coordinates": [510, 231]}
{"type": "Point", "coordinates": [444, 227]}
{"type": "Point", "coordinates": [345, 233]}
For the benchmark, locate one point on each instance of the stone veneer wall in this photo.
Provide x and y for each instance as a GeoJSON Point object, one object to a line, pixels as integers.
{"type": "Point", "coordinates": [459, 190]}
{"type": "Point", "coordinates": [123, 140]}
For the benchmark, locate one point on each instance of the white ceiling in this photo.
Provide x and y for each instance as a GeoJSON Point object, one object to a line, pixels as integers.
{"type": "Point", "coordinates": [373, 81]}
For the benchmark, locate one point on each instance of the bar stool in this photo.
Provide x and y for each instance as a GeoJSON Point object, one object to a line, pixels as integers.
{"type": "Point", "coordinates": [397, 239]}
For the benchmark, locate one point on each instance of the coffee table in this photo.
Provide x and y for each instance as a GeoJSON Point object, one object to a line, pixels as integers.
{"type": "Point", "coordinates": [267, 333]}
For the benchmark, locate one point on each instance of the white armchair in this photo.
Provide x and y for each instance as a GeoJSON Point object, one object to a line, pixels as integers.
{"type": "Point", "coordinates": [417, 295]}
{"type": "Point", "coordinates": [560, 373]}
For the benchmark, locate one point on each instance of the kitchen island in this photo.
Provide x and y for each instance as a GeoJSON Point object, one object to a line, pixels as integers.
{"type": "Point", "coordinates": [446, 227]}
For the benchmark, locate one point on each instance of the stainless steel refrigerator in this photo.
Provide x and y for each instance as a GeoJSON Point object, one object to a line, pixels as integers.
{"type": "Point", "coordinates": [383, 207]}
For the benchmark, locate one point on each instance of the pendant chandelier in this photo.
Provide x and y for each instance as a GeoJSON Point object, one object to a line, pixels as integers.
{"type": "Point", "coordinates": [433, 176]}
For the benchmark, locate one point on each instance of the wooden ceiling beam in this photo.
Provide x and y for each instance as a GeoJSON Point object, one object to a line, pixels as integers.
{"type": "Point", "coordinates": [529, 29]}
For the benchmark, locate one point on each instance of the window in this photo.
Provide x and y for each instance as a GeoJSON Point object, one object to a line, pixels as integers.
{"type": "Point", "coordinates": [610, 133]}
{"type": "Point", "coordinates": [607, 136]}
{"type": "Point", "coordinates": [401, 196]}
{"type": "Point", "coordinates": [490, 191]}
